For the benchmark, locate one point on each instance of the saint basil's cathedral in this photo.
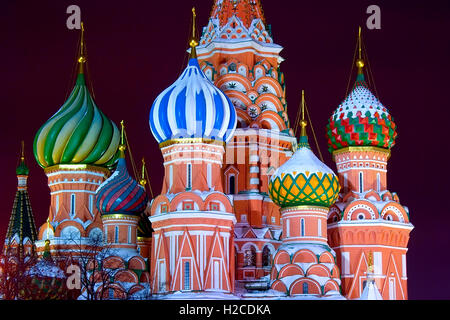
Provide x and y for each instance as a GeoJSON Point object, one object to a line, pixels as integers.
{"type": "Point", "coordinates": [246, 209]}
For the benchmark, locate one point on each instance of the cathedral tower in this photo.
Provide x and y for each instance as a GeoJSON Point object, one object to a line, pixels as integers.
{"type": "Point", "coordinates": [367, 219]}
{"type": "Point", "coordinates": [74, 147]}
{"type": "Point", "coordinates": [21, 234]}
{"type": "Point", "coordinates": [237, 53]}
{"type": "Point", "coordinates": [304, 188]}
{"type": "Point", "coordinates": [192, 218]}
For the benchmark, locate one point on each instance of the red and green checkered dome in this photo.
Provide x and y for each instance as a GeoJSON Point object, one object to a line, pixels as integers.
{"type": "Point", "coordinates": [361, 120]}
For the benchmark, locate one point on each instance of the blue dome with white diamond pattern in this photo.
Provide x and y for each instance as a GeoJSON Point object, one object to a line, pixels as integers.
{"type": "Point", "coordinates": [192, 107]}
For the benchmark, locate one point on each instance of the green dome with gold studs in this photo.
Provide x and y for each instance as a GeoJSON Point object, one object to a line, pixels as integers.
{"type": "Point", "coordinates": [304, 180]}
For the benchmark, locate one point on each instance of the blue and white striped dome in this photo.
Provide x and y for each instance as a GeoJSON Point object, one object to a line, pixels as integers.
{"type": "Point", "coordinates": [192, 107]}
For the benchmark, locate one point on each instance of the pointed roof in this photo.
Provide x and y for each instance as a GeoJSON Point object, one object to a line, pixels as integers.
{"type": "Point", "coordinates": [236, 20]}
{"type": "Point", "coordinates": [244, 10]}
{"type": "Point", "coordinates": [371, 291]}
{"type": "Point", "coordinates": [21, 224]}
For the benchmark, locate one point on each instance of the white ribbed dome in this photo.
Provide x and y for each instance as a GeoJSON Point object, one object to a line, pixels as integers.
{"type": "Point", "coordinates": [192, 107]}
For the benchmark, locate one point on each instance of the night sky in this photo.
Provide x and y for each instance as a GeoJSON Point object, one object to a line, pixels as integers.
{"type": "Point", "coordinates": [137, 48]}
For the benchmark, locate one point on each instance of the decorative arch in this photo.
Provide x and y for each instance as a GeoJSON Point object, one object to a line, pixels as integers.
{"type": "Point", "coordinates": [274, 103]}
{"type": "Point", "coordinates": [271, 83]}
{"type": "Point", "coordinates": [290, 270]}
{"type": "Point", "coordinates": [331, 285]}
{"type": "Point", "coordinates": [218, 197]}
{"type": "Point", "coordinates": [137, 263]}
{"type": "Point", "coordinates": [304, 256]}
{"type": "Point", "coordinates": [311, 285]}
{"type": "Point", "coordinates": [318, 270]}
{"type": "Point", "coordinates": [126, 276]}
{"type": "Point", "coordinates": [113, 262]}
{"type": "Point", "coordinates": [279, 286]}
{"type": "Point", "coordinates": [326, 257]}
{"type": "Point", "coordinates": [234, 77]}
{"type": "Point", "coordinates": [271, 120]}
{"type": "Point", "coordinates": [189, 196]}
{"type": "Point", "coordinates": [395, 211]}
{"type": "Point", "coordinates": [243, 118]}
{"type": "Point", "coordinates": [372, 195]}
{"type": "Point", "coordinates": [358, 209]}
{"type": "Point", "coordinates": [282, 257]}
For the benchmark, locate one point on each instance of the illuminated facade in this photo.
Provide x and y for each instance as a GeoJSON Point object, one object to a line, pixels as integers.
{"type": "Point", "coordinates": [244, 206]}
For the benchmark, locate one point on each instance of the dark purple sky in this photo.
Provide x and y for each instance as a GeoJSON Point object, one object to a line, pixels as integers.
{"type": "Point", "coordinates": [137, 48]}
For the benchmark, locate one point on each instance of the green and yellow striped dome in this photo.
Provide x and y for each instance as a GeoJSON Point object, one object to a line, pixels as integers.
{"type": "Point", "coordinates": [304, 180]}
{"type": "Point", "coordinates": [79, 133]}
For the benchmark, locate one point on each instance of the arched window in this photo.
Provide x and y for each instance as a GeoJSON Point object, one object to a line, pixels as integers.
{"type": "Point", "coordinates": [116, 235]}
{"type": "Point", "coordinates": [266, 257]}
{"type": "Point", "coordinates": [305, 288]}
{"type": "Point", "coordinates": [187, 276]}
{"type": "Point", "coordinates": [378, 182]}
{"type": "Point", "coordinates": [250, 257]}
{"type": "Point", "coordinates": [232, 185]}
{"type": "Point", "coordinates": [302, 226]}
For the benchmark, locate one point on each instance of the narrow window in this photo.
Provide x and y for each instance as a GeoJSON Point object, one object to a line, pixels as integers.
{"type": "Point", "coordinates": [116, 235]}
{"type": "Point", "coordinates": [266, 257]}
{"type": "Point", "coordinates": [57, 204]}
{"type": "Point", "coordinates": [208, 174]}
{"type": "Point", "coordinates": [361, 182]}
{"type": "Point", "coordinates": [319, 227]}
{"type": "Point", "coordinates": [302, 226]}
{"type": "Point", "coordinates": [287, 228]}
{"type": "Point", "coordinates": [129, 234]}
{"type": "Point", "coordinates": [91, 203]}
{"type": "Point", "coordinates": [170, 176]}
{"type": "Point", "coordinates": [345, 181]}
{"type": "Point", "coordinates": [378, 182]}
{"type": "Point", "coordinates": [189, 177]}
{"type": "Point", "coordinates": [187, 276]}
{"type": "Point", "coordinates": [72, 204]}
{"type": "Point", "coordinates": [232, 185]}
{"type": "Point", "coordinates": [305, 288]}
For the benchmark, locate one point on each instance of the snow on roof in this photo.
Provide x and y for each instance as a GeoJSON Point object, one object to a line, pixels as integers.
{"type": "Point", "coordinates": [45, 268]}
{"type": "Point", "coordinates": [317, 249]}
{"type": "Point", "coordinates": [302, 161]}
{"type": "Point", "coordinates": [371, 292]}
{"type": "Point", "coordinates": [260, 232]}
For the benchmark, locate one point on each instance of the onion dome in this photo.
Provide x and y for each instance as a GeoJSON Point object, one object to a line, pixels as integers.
{"type": "Point", "coordinates": [361, 119]}
{"type": "Point", "coordinates": [120, 193]}
{"type": "Point", "coordinates": [192, 107]}
{"type": "Point", "coordinates": [22, 169]}
{"type": "Point", "coordinates": [303, 179]}
{"type": "Point", "coordinates": [79, 133]}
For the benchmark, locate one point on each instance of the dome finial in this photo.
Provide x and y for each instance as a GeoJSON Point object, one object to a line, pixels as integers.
{"type": "Point", "coordinates": [82, 56]}
{"type": "Point", "coordinates": [22, 153]}
{"type": "Point", "coordinates": [122, 146]}
{"type": "Point", "coordinates": [193, 43]}
{"type": "Point", "coordinates": [22, 168]}
{"type": "Point", "coordinates": [360, 62]}
{"type": "Point", "coordinates": [143, 181]}
{"type": "Point", "coordinates": [303, 122]}
{"type": "Point", "coordinates": [303, 141]}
